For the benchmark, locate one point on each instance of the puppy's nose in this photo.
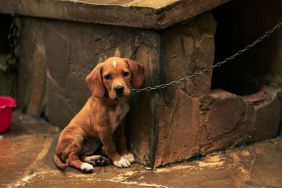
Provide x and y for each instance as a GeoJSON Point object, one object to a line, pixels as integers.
{"type": "Point", "coordinates": [119, 90]}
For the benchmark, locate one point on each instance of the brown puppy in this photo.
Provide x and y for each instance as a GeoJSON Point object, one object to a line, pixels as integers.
{"type": "Point", "coordinates": [110, 83]}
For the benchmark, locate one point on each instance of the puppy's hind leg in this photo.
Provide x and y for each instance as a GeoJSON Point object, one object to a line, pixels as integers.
{"type": "Point", "coordinates": [84, 167]}
{"type": "Point", "coordinates": [96, 160]}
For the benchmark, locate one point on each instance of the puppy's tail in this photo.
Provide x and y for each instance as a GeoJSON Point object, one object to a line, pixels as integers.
{"type": "Point", "coordinates": [59, 163]}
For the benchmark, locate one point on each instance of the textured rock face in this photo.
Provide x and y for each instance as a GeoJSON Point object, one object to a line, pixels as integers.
{"type": "Point", "coordinates": [187, 49]}
{"type": "Point", "coordinates": [220, 120]}
{"type": "Point", "coordinates": [267, 118]}
{"type": "Point", "coordinates": [231, 120]}
{"type": "Point", "coordinates": [227, 122]}
{"type": "Point", "coordinates": [195, 120]}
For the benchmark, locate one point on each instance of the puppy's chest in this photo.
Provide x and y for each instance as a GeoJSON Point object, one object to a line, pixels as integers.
{"type": "Point", "coordinates": [117, 115]}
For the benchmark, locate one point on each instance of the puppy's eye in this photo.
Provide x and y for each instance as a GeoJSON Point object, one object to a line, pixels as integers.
{"type": "Point", "coordinates": [108, 77]}
{"type": "Point", "coordinates": [125, 74]}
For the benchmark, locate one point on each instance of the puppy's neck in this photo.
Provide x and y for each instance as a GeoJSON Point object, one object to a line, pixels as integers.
{"type": "Point", "coordinates": [111, 102]}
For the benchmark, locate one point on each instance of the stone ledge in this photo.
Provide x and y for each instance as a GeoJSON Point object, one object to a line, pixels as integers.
{"type": "Point", "coordinates": [134, 13]}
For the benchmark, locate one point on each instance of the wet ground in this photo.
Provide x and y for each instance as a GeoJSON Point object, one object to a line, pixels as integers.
{"type": "Point", "coordinates": [26, 161]}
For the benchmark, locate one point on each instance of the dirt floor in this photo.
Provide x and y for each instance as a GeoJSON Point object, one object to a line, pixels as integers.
{"type": "Point", "coordinates": [26, 161]}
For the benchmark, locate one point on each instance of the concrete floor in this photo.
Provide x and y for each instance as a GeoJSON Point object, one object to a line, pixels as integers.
{"type": "Point", "coordinates": [26, 161]}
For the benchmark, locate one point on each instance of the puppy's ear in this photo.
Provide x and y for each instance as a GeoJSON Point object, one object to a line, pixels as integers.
{"type": "Point", "coordinates": [137, 73]}
{"type": "Point", "coordinates": [94, 81]}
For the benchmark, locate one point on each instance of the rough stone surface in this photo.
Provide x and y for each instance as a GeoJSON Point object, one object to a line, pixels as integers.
{"type": "Point", "coordinates": [131, 13]}
{"type": "Point", "coordinates": [227, 122]}
{"type": "Point", "coordinates": [26, 164]}
{"type": "Point", "coordinates": [38, 80]}
{"type": "Point", "coordinates": [187, 49]}
{"type": "Point", "coordinates": [230, 120]}
{"type": "Point", "coordinates": [224, 120]}
{"type": "Point", "coordinates": [267, 118]}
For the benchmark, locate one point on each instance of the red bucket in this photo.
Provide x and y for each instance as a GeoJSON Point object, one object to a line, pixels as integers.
{"type": "Point", "coordinates": [6, 106]}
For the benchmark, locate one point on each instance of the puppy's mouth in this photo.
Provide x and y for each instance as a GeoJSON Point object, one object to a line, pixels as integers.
{"type": "Point", "coordinates": [116, 96]}
{"type": "Point", "coordinates": [119, 96]}
{"type": "Point", "coordinates": [119, 93]}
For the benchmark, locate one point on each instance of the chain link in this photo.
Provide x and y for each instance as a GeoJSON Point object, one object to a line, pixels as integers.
{"type": "Point", "coordinates": [12, 60]}
{"type": "Point", "coordinates": [218, 64]}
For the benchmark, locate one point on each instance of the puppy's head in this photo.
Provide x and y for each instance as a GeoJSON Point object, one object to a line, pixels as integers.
{"type": "Point", "coordinates": [115, 77]}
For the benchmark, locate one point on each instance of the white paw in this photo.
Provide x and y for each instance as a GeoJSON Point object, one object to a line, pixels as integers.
{"type": "Point", "coordinates": [129, 157]}
{"type": "Point", "coordinates": [122, 163]}
{"type": "Point", "coordinates": [85, 167]}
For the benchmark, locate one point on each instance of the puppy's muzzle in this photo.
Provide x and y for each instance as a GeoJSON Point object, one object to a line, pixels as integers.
{"type": "Point", "coordinates": [119, 90]}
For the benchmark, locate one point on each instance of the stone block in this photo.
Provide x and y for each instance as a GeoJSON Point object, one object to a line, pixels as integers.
{"type": "Point", "coordinates": [35, 104]}
{"type": "Point", "coordinates": [227, 122]}
{"type": "Point", "coordinates": [178, 129]}
{"type": "Point", "coordinates": [267, 119]}
{"type": "Point", "coordinates": [186, 49]}
{"type": "Point", "coordinates": [142, 118]}
{"type": "Point", "coordinates": [130, 13]}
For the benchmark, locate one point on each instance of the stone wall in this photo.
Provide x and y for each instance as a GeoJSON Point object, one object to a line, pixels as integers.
{"type": "Point", "coordinates": [186, 49]}
{"type": "Point", "coordinates": [195, 120]}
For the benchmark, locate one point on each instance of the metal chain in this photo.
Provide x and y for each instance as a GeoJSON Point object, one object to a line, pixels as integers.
{"type": "Point", "coordinates": [198, 73]}
{"type": "Point", "coordinates": [12, 60]}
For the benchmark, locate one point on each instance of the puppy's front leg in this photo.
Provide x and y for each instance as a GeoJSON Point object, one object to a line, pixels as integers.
{"type": "Point", "coordinates": [122, 143]}
{"type": "Point", "coordinates": [105, 136]}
